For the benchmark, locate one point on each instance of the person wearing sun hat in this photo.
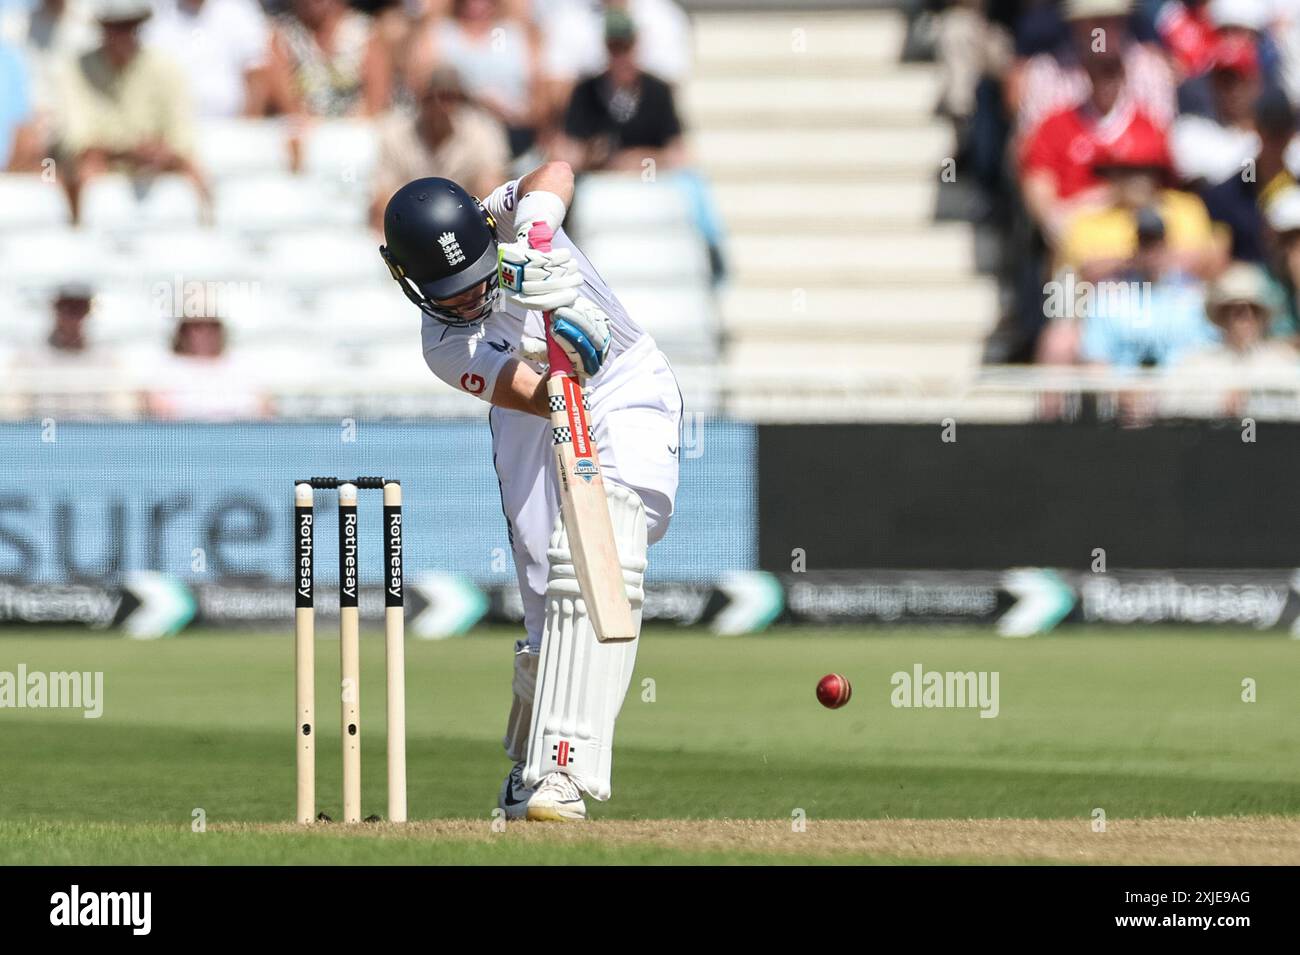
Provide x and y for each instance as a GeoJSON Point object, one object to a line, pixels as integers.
{"type": "Point", "coordinates": [1226, 377]}
{"type": "Point", "coordinates": [126, 107]}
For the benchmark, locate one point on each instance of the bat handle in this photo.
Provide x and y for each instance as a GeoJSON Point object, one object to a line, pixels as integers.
{"type": "Point", "coordinates": [539, 238]}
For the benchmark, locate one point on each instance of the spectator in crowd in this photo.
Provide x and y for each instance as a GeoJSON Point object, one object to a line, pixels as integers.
{"type": "Point", "coordinates": [968, 47]}
{"type": "Point", "coordinates": [326, 61]}
{"type": "Point", "coordinates": [126, 107]}
{"type": "Point", "coordinates": [620, 118]}
{"type": "Point", "coordinates": [1238, 306]}
{"type": "Point", "coordinates": [1057, 162]}
{"type": "Point", "coordinates": [1241, 201]}
{"type": "Point", "coordinates": [70, 358]}
{"type": "Point", "coordinates": [55, 31]}
{"type": "Point", "coordinates": [67, 339]}
{"type": "Point", "coordinates": [1101, 241]}
{"type": "Point", "coordinates": [1151, 314]}
{"type": "Point", "coordinates": [1284, 226]}
{"type": "Point", "coordinates": [222, 45]}
{"type": "Point", "coordinates": [1209, 149]}
{"type": "Point", "coordinates": [201, 382]}
{"type": "Point", "coordinates": [20, 144]}
{"type": "Point", "coordinates": [573, 41]}
{"type": "Point", "coordinates": [496, 59]}
{"type": "Point", "coordinates": [448, 137]}
{"type": "Point", "coordinates": [1100, 48]}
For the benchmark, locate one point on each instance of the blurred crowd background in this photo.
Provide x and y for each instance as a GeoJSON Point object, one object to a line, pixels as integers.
{"type": "Point", "coordinates": [884, 212]}
{"type": "Point", "coordinates": [1147, 144]}
{"type": "Point", "coordinates": [188, 172]}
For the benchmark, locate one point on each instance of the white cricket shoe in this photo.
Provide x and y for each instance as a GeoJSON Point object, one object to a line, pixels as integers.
{"type": "Point", "coordinates": [557, 799]}
{"type": "Point", "coordinates": [514, 796]}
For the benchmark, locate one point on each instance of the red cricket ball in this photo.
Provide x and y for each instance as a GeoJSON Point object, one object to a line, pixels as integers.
{"type": "Point", "coordinates": [834, 690]}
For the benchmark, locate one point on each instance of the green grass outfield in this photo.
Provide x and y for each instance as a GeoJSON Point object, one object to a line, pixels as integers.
{"type": "Point", "coordinates": [1140, 723]}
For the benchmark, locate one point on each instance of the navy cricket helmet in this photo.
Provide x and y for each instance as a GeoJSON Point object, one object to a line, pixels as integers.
{"type": "Point", "coordinates": [441, 243]}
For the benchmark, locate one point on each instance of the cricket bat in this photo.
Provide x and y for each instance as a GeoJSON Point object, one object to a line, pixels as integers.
{"type": "Point", "coordinates": [583, 505]}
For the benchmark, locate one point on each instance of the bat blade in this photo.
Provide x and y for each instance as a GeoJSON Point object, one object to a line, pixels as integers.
{"type": "Point", "coordinates": [583, 504]}
{"type": "Point", "coordinates": [585, 510]}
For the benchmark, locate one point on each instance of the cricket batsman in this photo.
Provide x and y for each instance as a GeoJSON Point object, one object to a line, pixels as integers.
{"type": "Point", "coordinates": [448, 252]}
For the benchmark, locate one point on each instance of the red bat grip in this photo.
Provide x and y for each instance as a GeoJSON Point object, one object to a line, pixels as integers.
{"type": "Point", "coordinates": [539, 238]}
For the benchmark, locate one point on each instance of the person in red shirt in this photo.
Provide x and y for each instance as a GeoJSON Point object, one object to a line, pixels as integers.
{"type": "Point", "coordinates": [1057, 161]}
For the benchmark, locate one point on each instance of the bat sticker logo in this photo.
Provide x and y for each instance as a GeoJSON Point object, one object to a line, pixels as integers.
{"type": "Point", "coordinates": [585, 468]}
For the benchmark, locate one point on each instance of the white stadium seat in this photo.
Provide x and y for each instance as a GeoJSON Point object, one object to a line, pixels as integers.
{"type": "Point", "coordinates": [675, 258]}
{"type": "Point", "coordinates": [200, 255]}
{"type": "Point", "coordinates": [118, 202]}
{"type": "Point", "coordinates": [274, 202]}
{"type": "Point", "coordinates": [24, 319]}
{"type": "Point", "coordinates": [320, 258]}
{"type": "Point", "coordinates": [29, 202]}
{"type": "Point", "coordinates": [241, 147]}
{"type": "Point", "coordinates": [609, 202]}
{"type": "Point", "coordinates": [47, 258]}
{"type": "Point", "coordinates": [378, 313]}
{"type": "Point", "coordinates": [342, 151]}
{"type": "Point", "coordinates": [683, 319]}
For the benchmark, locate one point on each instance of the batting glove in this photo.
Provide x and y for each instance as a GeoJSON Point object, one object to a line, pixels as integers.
{"type": "Point", "coordinates": [538, 280]}
{"type": "Point", "coordinates": [582, 332]}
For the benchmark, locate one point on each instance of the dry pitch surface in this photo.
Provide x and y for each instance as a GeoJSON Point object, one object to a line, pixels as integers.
{"type": "Point", "coordinates": [1247, 840]}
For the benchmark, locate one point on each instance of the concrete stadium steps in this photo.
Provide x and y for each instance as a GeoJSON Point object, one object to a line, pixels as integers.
{"type": "Point", "coordinates": [818, 155]}
{"type": "Point", "coordinates": [806, 43]}
{"type": "Point", "coordinates": [806, 259]}
{"type": "Point", "coordinates": [825, 164]}
{"type": "Point", "coordinates": [905, 94]}
{"type": "Point", "coordinates": [756, 206]}
{"type": "Point", "coordinates": [962, 310]}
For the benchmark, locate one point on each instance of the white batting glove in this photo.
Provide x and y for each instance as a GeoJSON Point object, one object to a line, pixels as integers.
{"type": "Point", "coordinates": [538, 280]}
{"type": "Point", "coordinates": [582, 332]}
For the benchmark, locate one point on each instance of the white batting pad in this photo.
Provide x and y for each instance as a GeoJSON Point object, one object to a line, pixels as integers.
{"type": "Point", "coordinates": [581, 682]}
{"type": "Point", "coordinates": [523, 687]}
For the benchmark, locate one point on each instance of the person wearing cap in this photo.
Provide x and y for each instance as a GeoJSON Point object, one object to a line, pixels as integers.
{"type": "Point", "coordinates": [1100, 46]}
{"type": "Point", "coordinates": [1240, 308]}
{"type": "Point", "coordinates": [448, 137]}
{"type": "Point", "coordinates": [125, 108]}
{"type": "Point", "coordinates": [1211, 148]}
{"type": "Point", "coordinates": [1136, 170]}
{"type": "Point", "coordinates": [621, 118]}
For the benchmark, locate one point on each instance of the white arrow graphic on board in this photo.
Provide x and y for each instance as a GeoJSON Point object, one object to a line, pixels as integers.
{"type": "Point", "coordinates": [452, 606]}
{"type": "Point", "coordinates": [754, 600]}
{"type": "Point", "coordinates": [1042, 601]}
{"type": "Point", "coordinates": [166, 605]}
